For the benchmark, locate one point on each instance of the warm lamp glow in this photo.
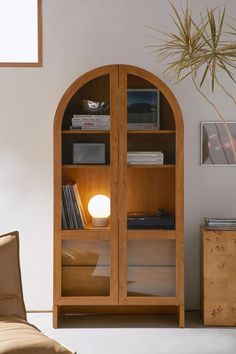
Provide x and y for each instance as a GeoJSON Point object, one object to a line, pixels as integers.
{"type": "Point", "coordinates": [99, 208]}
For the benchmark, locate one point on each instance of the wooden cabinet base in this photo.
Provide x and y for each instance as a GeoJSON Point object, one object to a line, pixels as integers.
{"type": "Point", "coordinates": [63, 315]}
{"type": "Point", "coordinates": [219, 277]}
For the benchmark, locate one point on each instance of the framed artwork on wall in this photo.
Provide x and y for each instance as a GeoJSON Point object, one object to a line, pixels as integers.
{"type": "Point", "coordinates": [21, 33]}
{"type": "Point", "coordinates": [218, 144]}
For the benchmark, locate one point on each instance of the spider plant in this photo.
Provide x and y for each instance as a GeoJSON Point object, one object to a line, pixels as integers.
{"type": "Point", "coordinates": [200, 50]}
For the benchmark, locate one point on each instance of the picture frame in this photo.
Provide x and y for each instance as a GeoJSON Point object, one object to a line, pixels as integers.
{"type": "Point", "coordinates": [143, 109]}
{"type": "Point", "coordinates": [216, 147]}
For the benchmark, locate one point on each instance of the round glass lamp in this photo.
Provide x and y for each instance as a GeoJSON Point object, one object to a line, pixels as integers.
{"type": "Point", "coordinates": [99, 208]}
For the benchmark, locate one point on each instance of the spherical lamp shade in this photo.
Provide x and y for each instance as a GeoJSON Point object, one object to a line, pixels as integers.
{"type": "Point", "coordinates": [99, 208]}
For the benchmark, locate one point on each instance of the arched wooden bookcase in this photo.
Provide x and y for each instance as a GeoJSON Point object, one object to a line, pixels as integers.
{"type": "Point", "coordinates": [115, 269]}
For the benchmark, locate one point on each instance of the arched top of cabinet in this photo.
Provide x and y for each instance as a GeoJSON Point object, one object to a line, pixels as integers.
{"type": "Point", "coordinates": [119, 70]}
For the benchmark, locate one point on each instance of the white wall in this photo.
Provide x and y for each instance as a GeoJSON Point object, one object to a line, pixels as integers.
{"type": "Point", "coordinates": [79, 35]}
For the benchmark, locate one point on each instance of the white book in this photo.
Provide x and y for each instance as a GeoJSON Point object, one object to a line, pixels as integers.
{"type": "Point", "coordinates": [144, 126]}
{"type": "Point", "coordinates": [145, 163]}
{"type": "Point", "coordinates": [145, 152]}
{"type": "Point", "coordinates": [90, 128]}
{"type": "Point", "coordinates": [136, 157]}
{"type": "Point", "coordinates": [145, 155]}
{"type": "Point", "coordinates": [90, 117]}
{"type": "Point", "coordinates": [160, 159]}
{"type": "Point", "coordinates": [92, 124]}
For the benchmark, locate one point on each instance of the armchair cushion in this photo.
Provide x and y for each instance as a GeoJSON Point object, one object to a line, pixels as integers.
{"type": "Point", "coordinates": [19, 337]}
{"type": "Point", "coordinates": [11, 295]}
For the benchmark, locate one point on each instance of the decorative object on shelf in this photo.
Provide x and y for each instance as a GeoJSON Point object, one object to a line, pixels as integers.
{"type": "Point", "coordinates": [93, 107]}
{"type": "Point", "coordinates": [90, 122]}
{"type": "Point", "coordinates": [145, 157]}
{"type": "Point", "coordinates": [143, 109]}
{"type": "Point", "coordinates": [216, 148]}
{"type": "Point", "coordinates": [99, 208]}
{"type": "Point", "coordinates": [89, 153]}
{"type": "Point", "coordinates": [160, 220]}
{"type": "Point", "coordinates": [220, 223]}
{"type": "Point", "coordinates": [199, 50]}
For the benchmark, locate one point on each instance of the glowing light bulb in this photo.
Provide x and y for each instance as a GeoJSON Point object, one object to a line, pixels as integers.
{"type": "Point", "coordinates": [99, 208]}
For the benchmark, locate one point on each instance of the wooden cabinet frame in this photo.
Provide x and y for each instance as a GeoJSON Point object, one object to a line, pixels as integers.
{"type": "Point", "coordinates": [118, 233]}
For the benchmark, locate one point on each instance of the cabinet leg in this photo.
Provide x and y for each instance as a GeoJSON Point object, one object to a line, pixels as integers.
{"type": "Point", "coordinates": [56, 316]}
{"type": "Point", "coordinates": [181, 314]}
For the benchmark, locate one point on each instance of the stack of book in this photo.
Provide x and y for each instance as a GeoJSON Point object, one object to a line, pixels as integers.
{"type": "Point", "coordinates": [145, 158]}
{"type": "Point", "coordinates": [220, 223]}
{"type": "Point", "coordinates": [73, 216]}
{"type": "Point", "coordinates": [90, 122]}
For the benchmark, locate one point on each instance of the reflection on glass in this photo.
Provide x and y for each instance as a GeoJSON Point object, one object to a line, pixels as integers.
{"type": "Point", "coordinates": [85, 268]}
{"type": "Point", "coordinates": [151, 268]}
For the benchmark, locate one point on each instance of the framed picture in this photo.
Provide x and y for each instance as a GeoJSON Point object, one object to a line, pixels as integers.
{"type": "Point", "coordinates": [217, 141]}
{"type": "Point", "coordinates": [143, 109]}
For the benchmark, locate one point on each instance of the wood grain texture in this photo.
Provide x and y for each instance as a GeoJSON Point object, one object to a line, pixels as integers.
{"type": "Point", "coordinates": [118, 310]}
{"type": "Point", "coordinates": [151, 252]}
{"type": "Point", "coordinates": [86, 281]}
{"type": "Point", "coordinates": [150, 281]}
{"type": "Point", "coordinates": [219, 277]}
{"type": "Point", "coordinates": [160, 183]}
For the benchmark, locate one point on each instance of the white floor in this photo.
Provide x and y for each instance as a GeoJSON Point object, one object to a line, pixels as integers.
{"type": "Point", "coordinates": [141, 335]}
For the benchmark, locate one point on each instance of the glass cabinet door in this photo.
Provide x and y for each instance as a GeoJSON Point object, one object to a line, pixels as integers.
{"type": "Point", "coordinates": [85, 268]}
{"type": "Point", "coordinates": [151, 268]}
{"type": "Point", "coordinates": [87, 167]}
{"type": "Point", "coordinates": [147, 162]}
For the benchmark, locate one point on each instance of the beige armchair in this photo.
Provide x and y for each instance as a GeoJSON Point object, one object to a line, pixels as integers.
{"type": "Point", "coordinates": [17, 336]}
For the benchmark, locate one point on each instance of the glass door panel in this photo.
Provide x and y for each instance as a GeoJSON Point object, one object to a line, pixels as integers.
{"type": "Point", "coordinates": [85, 268]}
{"type": "Point", "coordinates": [147, 175]}
{"type": "Point", "coordinates": [150, 176]}
{"type": "Point", "coordinates": [90, 106]}
{"type": "Point", "coordinates": [151, 268]}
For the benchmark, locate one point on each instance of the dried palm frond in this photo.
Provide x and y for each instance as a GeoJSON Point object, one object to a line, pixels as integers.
{"type": "Point", "coordinates": [199, 49]}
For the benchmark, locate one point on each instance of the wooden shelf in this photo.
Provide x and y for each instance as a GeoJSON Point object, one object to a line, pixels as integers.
{"type": "Point", "coordinates": [85, 131]}
{"type": "Point", "coordinates": [85, 166]}
{"type": "Point", "coordinates": [90, 131]}
{"type": "Point", "coordinates": [86, 234]}
{"type": "Point", "coordinates": [145, 234]}
{"type": "Point", "coordinates": [151, 131]}
{"type": "Point", "coordinates": [150, 166]}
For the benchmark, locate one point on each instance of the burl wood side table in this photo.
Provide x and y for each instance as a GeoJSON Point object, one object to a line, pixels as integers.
{"type": "Point", "coordinates": [219, 277]}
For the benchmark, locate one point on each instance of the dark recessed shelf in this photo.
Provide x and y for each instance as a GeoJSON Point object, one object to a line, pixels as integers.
{"type": "Point", "coordinates": [151, 131]}
{"type": "Point", "coordinates": [85, 166]}
{"type": "Point", "coordinates": [150, 166]}
{"type": "Point", "coordinates": [85, 131]}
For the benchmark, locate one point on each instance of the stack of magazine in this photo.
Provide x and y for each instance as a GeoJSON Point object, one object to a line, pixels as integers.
{"type": "Point", "coordinates": [145, 158]}
{"type": "Point", "coordinates": [220, 223]}
{"type": "Point", "coordinates": [73, 216]}
{"type": "Point", "coordinates": [90, 122]}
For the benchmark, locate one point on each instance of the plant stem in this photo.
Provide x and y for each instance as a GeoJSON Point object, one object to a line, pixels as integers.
{"type": "Point", "coordinates": [218, 113]}
{"type": "Point", "coordinates": [225, 91]}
